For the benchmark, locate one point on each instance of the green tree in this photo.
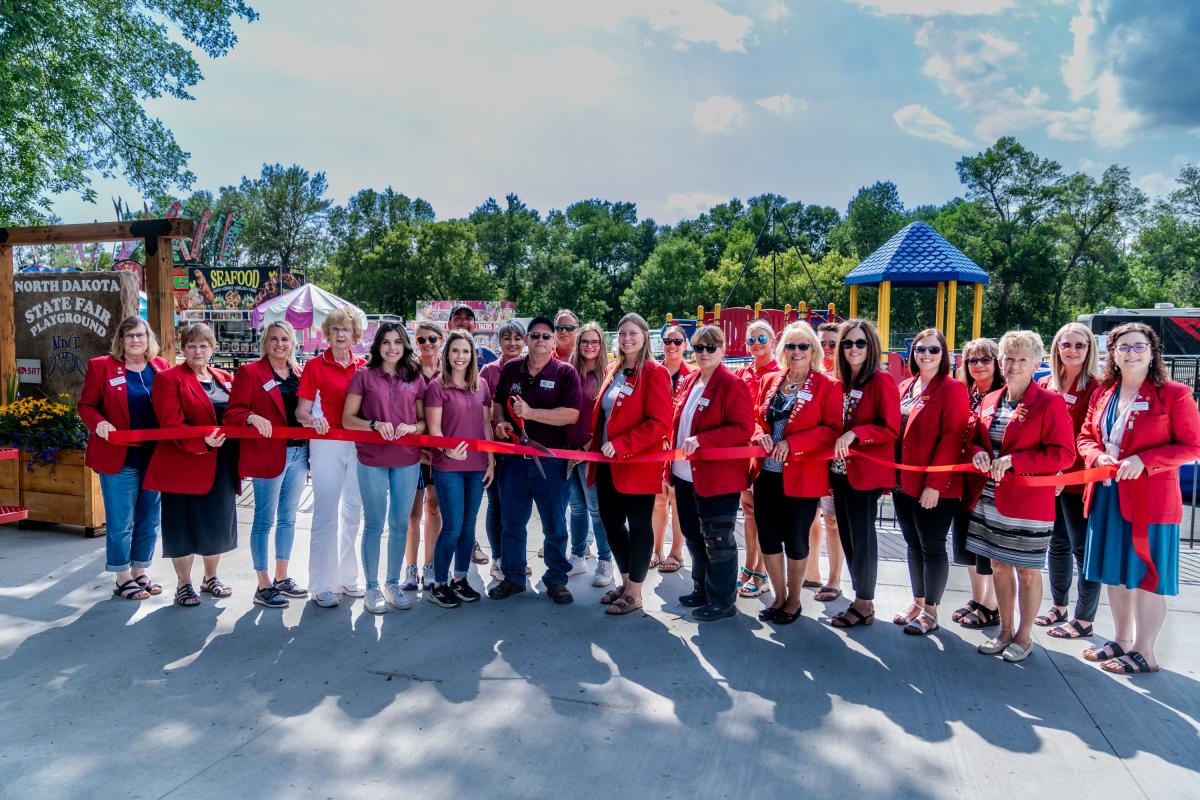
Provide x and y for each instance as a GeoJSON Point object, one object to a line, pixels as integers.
{"type": "Point", "coordinates": [669, 282]}
{"type": "Point", "coordinates": [74, 77]}
{"type": "Point", "coordinates": [285, 209]}
{"type": "Point", "coordinates": [873, 215]}
{"type": "Point", "coordinates": [608, 238]}
{"type": "Point", "coordinates": [557, 278]}
{"type": "Point", "coordinates": [356, 228]}
{"type": "Point", "coordinates": [505, 237]}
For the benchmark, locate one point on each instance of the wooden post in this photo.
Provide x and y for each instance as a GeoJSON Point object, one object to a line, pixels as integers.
{"type": "Point", "coordinates": [8, 327]}
{"type": "Point", "coordinates": [853, 301]}
{"type": "Point", "coordinates": [885, 314]}
{"type": "Point", "coordinates": [977, 314]}
{"type": "Point", "coordinates": [951, 315]}
{"type": "Point", "coordinates": [160, 294]}
{"type": "Point", "coordinates": [939, 319]}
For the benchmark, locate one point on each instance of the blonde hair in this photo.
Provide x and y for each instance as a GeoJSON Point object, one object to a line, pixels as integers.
{"type": "Point", "coordinates": [287, 328]}
{"type": "Point", "coordinates": [343, 316]}
{"type": "Point", "coordinates": [197, 330]}
{"type": "Point", "coordinates": [760, 323]}
{"type": "Point", "coordinates": [601, 359]}
{"type": "Point", "coordinates": [1023, 340]}
{"type": "Point", "coordinates": [804, 332]}
{"type": "Point", "coordinates": [131, 324]}
{"type": "Point", "coordinates": [1058, 369]}
{"type": "Point", "coordinates": [472, 375]}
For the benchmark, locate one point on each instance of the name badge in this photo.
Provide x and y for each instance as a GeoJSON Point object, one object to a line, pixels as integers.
{"type": "Point", "coordinates": [1070, 398]}
{"type": "Point", "coordinates": [805, 395]}
{"type": "Point", "coordinates": [856, 393]}
{"type": "Point", "coordinates": [117, 381]}
{"type": "Point", "coordinates": [269, 385]}
{"type": "Point", "coordinates": [545, 384]}
{"type": "Point", "coordinates": [702, 402]}
{"type": "Point", "coordinates": [626, 390]}
{"type": "Point", "coordinates": [1140, 406]}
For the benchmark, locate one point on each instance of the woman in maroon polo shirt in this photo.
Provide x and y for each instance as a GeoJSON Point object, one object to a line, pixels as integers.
{"type": "Point", "coordinates": [674, 346]}
{"type": "Point", "coordinates": [632, 417]}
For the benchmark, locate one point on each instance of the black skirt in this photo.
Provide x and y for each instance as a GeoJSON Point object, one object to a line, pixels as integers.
{"type": "Point", "coordinates": [204, 524]}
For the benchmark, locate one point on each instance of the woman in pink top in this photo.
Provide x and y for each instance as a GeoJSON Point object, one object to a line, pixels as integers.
{"type": "Point", "coordinates": [458, 403]}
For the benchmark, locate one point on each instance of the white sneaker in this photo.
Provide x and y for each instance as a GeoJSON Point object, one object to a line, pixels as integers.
{"type": "Point", "coordinates": [352, 591]}
{"type": "Point", "coordinates": [578, 565]}
{"type": "Point", "coordinates": [604, 573]}
{"type": "Point", "coordinates": [375, 602]}
{"type": "Point", "coordinates": [325, 599]}
{"type": "Point", "coordinates": [396, 598]}
{"type": "Point", "coordinates": [427, 577]}
{"type": "Point", "coordinates": [496, 572]}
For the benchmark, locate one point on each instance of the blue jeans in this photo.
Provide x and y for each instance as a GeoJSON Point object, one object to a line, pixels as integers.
{"type": "Point", "coordinates": [275, 503]}
{"type": "Point", "coordinates": [521, 487]}
{"type": "Point", "coordinates": [387, 496]}
{"type": "Point", "coordinates": [584, 505]}
{"type": "Point", "coordinates": [132, 516]}
{"type": "Point", "coordinates": [459, 495]}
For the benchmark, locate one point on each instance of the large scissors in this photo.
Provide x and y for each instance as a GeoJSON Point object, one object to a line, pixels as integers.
{"type": "Point", "coordinates": [519, 436]}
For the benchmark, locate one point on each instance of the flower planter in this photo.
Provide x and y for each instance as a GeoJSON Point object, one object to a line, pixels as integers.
{"type": "Point", "coordinates": [66, 493]}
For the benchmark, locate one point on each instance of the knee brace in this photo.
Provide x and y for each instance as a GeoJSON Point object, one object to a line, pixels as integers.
{"type": "Point", "coordinates": [719, 539]}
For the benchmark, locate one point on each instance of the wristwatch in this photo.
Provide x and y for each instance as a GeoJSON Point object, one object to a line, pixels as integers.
{"type": "Point", "coordinates": [373, 423]}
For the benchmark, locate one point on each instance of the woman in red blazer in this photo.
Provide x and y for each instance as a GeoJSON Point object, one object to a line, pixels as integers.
{"type": "Point", "coordinates": [632, 416]}
{"type": "Point", "coordinates": [265, 394]}
{"type": "Point", "coordinates": [933, 423]}
{"type": "Point", "coordinates": [116, 396]}
{"type": "Point", "coordinates": [797, 412]}
{"type": "Point", "coordinates": [1026, 429]}
{"type": "Point", "coordinates": [197, 477]}
{"type": "Point", "coordinates": [871, 423]}
{"type": "Point", "coordinates": [674, 343]}
{"type": "Point", "coordinates": [1072, 375]}
{"type": "Point", "coordinates": [1147, 427]}
{"type": "Point", "coordinates": [715, 411]}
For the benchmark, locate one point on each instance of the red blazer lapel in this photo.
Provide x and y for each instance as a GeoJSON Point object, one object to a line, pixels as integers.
{"type": "Point", "coordinates": [199, 397]}
{"type": "Point", "coordinates": [268, 374]}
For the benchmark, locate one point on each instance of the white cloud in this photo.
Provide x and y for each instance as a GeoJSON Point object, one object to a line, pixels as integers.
{"type": "Point", "coordinates": [782, 104]}
{"type": "Point", "coordinates": [718, 114]}
{"type": "Point", "coordinates": [1087, 165]}
{"type": "Point", "coordinates": [686, 205]}
{"type": "Point", "coordinates": [1156, 185]}
{"type": "Point", "coordinates": [775, 11]}
{"type": "Point", "coordinates": [574, 73]}
{"type": "Point", "coordinates": [690, 21]}
{"type": "Point", "coordinates": [934, 8]}
{"type": "Point", "coordinates": [919, 121]}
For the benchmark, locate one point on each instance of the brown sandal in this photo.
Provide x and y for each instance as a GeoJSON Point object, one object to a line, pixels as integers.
{"type": "Point", "coordinates": [623, 605]}
{"type": "Point", "coordinates": [851, 618]}
{"type": "Point", "coordinates": [613, 595]}
{"type": "Point", "coordinates": [670, 564]}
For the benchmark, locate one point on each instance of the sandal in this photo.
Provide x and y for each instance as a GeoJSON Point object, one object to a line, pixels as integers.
{"type": "Point", "coordinates": [917, 626]}
{"type": "Point", "coordinates": [971, 607]}
{"type": "Point", "coordinates": [1072, 630]}
{"type": "Point", "coordinates": [1109, 651]}
{"type": "Point", "coordinates": [216, 587]}
{"type": "Point", "coordinates": [623, 605]}
{"type": "Point", "coordinates": [670, 564]}
{"type": "Point", "coordinates": [1052, 617]}
{"type": "Point", "coordinates": [655, 560]}
{"type": "Point", "coordinates": [827, 594]}
{"type": "Point", "coordinates": [149, 585]}
{"type": "Point", "coordinates": [982, 617]}
{"type": "Point", "coordinates": [811, 584]}
{"type": "Point", "coordinates": [755, 587]}
{"type": "Point", "coordinates": [908, 615]}
{"type": "Point", "coordinates": [744, 577]}
{"type": "Point", "coordinates": [186, 596]}
{"type": "Point", "coordinates": [131, 590]}
{"type": "Point", "coordinates": [613, 595]}
{"type": "Point", "coordinates": [852, 617]}
{"type": "Point", "coordinates": [1131, 663]}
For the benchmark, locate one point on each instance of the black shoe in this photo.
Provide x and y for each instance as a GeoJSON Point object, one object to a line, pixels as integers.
{"type": "Point", "coordinates": [768, 613]}
{"type": "Point", "coordinates": [505, 589]}
{"type": "Point", "coordinates": [710, 613]}
{"type": "Point", "coordinates": [442, 595]}
{"type": "Point", "coordinates": [694, 600]}
{"type": "Point", "coordinates": [270, 598]}
{"type": "Point", "coordinates": [290, 588]}
{"type": "Point", "coordinates": [464, 590]}
{"type": "Point", "coordinates": [785, 617]}
{"type": "Point", "coordinates": [561, 595]}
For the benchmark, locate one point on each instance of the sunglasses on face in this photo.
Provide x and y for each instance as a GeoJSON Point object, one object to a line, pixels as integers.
{"type": "Point", "coordinates": [675, 341]}
{"type": "Point", "coordinates": [803, 347]}
{"type": "Point", "coordinates": [1140, 347]}
{"type": "Point", "coordinates": [828, 345]}
{"type": "Point", "coordinates": [850, 344]}
{"type": "Point", "coordinates": [543, 336]}
{"type": "Point", "coordinates": [706, 348]}
{"type": "Point", "coordinates": [982, 361]}
{"type": "Point", "coordinates": [761, 339]}
{"type": "Point", "coordinates": [567, 328]}
{"type": "Point", "coordinates": [932, 350]}
{"type": "Point", "coordinates": [427, 339]}
{"type": "Point", "coordinates": [1072, 345]}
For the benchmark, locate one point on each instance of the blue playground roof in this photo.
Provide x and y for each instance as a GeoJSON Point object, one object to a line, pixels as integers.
{"type": "Point", "coordinates": [917, 256]}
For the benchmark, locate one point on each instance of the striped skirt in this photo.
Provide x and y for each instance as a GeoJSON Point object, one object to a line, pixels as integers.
{"type": "Point", "coordinates": [1016, 542]}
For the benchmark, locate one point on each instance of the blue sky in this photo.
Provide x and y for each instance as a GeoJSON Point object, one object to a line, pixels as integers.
{"type": "Point", "coordinates": [679, 104]}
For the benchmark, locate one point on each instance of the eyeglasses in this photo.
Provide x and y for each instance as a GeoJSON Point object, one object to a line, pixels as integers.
{"type": "Point", "coordinates": [706, 348]}
{"type": "Point", "coordinates": [932, 350]}
{"type": "Point", "coordinates": [850, 344]}
{"type": "Point", "coordinates": [1140, 347]}
{"type": "Point", "coordinates": [135, 336]}
{"type": "Point", "coordinates": [803, 347]}
{"type": "Point", "coordinates": [761, 339]}
{"type": "Point", "coordinates": [589, 343]}
{"type": "Point", "coordinates": [335, 331]}
{"type": "Point", "coordinates": [567, 328]}
{"type": "Point", "coordinates": [543, 336]}
{"type": "Point", "coordinates": [675, 341]}
{"type": "Point", "coordinates": [1070, 345]}
{"type": "Point", "coordinates": [982, 361]}
{"type": "Point", "coordinates": [428, 340]}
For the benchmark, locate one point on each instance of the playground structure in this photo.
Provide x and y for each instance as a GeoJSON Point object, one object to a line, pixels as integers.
{"type": "Point", "coordinates": [733, 321]}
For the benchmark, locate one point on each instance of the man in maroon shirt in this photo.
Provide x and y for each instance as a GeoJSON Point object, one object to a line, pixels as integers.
{"type": "Point", "coordinates": [547, 395]}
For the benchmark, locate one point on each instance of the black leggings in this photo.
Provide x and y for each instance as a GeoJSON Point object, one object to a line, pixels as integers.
{"type": "Point", "coordinates": [962, 521]}
{"type": "Point", "coordinates": [1066, 550]}
{"type": "Point", "coordinates": [631, 546]}
{"type": "Point", "coordinates": [856, 513]}
{"type": "Point", "coordinates": [925, 532]}
{"type": "Point", "coordinates": [782, 521]}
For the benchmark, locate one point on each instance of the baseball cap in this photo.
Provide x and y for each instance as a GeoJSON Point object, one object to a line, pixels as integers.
{"type": "Point", "coordinates": [462, 307]}
{"type": "Point", "coordinates": [549, 323]}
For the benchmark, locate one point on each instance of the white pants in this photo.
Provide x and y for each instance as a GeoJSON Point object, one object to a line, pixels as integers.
{"type": "Point", "coordinates": [337, 512]}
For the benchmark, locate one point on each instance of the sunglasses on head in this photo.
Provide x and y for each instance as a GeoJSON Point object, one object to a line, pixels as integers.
{"type": "Point", "coordinates": [543, 336]}
{"type": "Point", "coordinates": [559, 328]}
{"type": "Point", "coordinates": [1074, 345]}
{"type": "Point", "coordinates": [428, 339]}
{"type": "Point", "coordinates": [801, 346]}
{"type": "Point", "coordinates": [677, 341]}
{"type": "Point", "coordinates": [761, 339]}
{"type": "Point", "coordinates": [932, 349]}
{"type": "Point", "coordinates": [706, 348]}
{"type": "Point", "coordinates": [850, 344]}
{"type": "Point", "coordinates": [982, 361]}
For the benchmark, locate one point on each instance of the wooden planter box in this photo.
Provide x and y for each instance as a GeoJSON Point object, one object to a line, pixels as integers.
{"type": "Point", "coordinates": [67, 493]}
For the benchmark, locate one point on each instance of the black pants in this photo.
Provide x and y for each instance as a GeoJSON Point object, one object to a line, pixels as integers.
{"type": "Point", "coordinates": [632, 545]}
{"type": "Point", "coordinates": [962, 520]}
{"type": "Point", "coordinates": [782, 521]}
{"type": "Point", "coordinates": [707, 524]}
{"type": "Point", "coordinates": [856, 513]}
{"type": "Point", "coordinates": [925, 532]}
{"type": "Point", "coordinates": [1066, 551]}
